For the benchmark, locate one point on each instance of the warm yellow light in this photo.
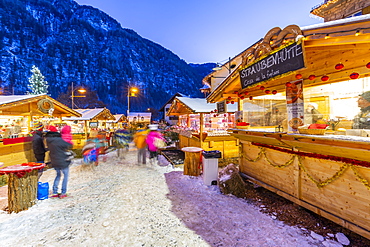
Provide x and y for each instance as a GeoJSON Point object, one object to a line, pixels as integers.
{"type": "Point", "coordinates": [82, 90]}
{"type": "Point", "coordinates": [327, 36]}
{"type": "Point", "coordinates": [357, 33]}
{"type": "Point", "coordinates": [134, 90]}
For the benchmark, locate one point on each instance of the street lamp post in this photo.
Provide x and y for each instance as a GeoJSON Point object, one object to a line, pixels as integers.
{"type": "Point", "coordinates": [81, 90]}
{"type": "Point", "coordinates": [132, 91]}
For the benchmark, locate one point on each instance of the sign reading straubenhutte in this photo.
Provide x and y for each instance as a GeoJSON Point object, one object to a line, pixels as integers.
{"type": "Point", "coordinates": [289, 58]}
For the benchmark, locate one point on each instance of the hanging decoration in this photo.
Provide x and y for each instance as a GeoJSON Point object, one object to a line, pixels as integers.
{"type": "Point", "coordinates": [267, 91]}
{"type": "Point", "coordinates": [250, 97]}
{"type": "Point", "coordinates": [312, 77]}
{"type": "Point", "coordinates": [262, 88]}
{"type": "Point", "coordinates": [339, 66]}
{"type": "Point", "coordinates": [274, 92]}
{"type": "Point", "coordinates": [354, 75]}
{"type": "Point", "coordinates": [298, 76]}
{"type": "Point", "coordinates": [368, 65]}
{"type": "Point", "coordinates": [288, 84]}
{"type": "Point", "coordinates": [325, 78]}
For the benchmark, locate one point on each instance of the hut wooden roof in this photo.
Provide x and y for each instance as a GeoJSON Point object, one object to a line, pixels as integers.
{"type": "Point", "coordinates": [24, 105]}
{"type": "Point", "coordinates": [326, 44]}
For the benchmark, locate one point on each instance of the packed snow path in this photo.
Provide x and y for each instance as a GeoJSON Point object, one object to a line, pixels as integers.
{"type": "Point", "coordinates": [121, 203]}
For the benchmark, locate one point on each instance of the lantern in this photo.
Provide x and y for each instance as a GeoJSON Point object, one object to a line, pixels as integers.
{"type": "Point", "coordinates": [274, 92]}
{"type": "Point", "coordinates": [339, 66]}
{"type": "Point", "coordinates": [354, 75]}
{"type": "Point", "coordinates": [325, 78]}
{"type": "Point", "coordinates": [288, 84]}
{"type": "Point", "coordinates": [298, 76]}
{"type": "Point", "coordinates": [312, 77]}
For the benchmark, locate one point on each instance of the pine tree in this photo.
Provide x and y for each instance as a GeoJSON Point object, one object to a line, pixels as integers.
{"type": "Point", "coordinates": [37, 83]}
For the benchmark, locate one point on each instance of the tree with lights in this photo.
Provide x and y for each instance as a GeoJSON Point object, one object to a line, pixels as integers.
{"type": "Point", "coordinates": [37, 83]}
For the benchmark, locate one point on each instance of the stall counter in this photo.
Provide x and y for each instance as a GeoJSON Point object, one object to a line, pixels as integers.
{"type": "Point", "coordinates": [329, 175]}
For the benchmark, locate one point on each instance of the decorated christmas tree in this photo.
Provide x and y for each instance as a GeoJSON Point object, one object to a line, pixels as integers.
{"type": "Point", "coordinates": [37, 83]}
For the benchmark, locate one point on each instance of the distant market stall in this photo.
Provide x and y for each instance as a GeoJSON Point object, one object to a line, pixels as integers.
{"type": "Point", "coordinates": [205, 125]}
{"type": "Point", "coordinates": [119, 122]}
{"type": "Point", "coordinates": [139, 119]}
{"type": "Point", "coordinates": [17, 114]}
{"type": "Point", "coordinates": [317, 159]}
{"type": "Point", "coordinates": [91, 119]}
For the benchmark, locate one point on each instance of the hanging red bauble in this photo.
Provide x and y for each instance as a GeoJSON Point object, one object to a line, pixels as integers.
{"type": "Point", "coordinates": [215, 110]}
{"type": "Point", "coordinates": [210, 121]}
{"type": "Point", "coordinates": [241, 97]}
{"type": "Point", "coordinates": [225, 115]}
{"type": "Point", "coordinates": [262, 88]}
{"type": "Point", "coordinates": [250, 97]}
{"type": "Point", "coordinates": [312, 77]}
{"type": "Point", "coordinates": [298, 76]}
{"type": "Point", "coordinates": [288, 84]}
{"type": "Point", "coordinates": [354, 75]}
{"type": "Point", "coordinates": [368, 65]}
{"type": "Point", "coordinates": [339, 66]}
{"type": "Point", "coordinates": [246, 93]}
{"type": "Point", "coordinates": [227, 102]}
{"type": "Point", "coordinates": [267, 91]}
{"type": "Point", "coordinates": [214, 115]}
{"type": "Point", "coordinates": [229, 97]}
{"type": "Point", "coordinates": [232, 102]}
{"type": "Point", "coordinates": [236, 92]}
{"type": "Point", "coordinates": [325, 78]}
{"type": "Point", "coordinates": [274, 92]}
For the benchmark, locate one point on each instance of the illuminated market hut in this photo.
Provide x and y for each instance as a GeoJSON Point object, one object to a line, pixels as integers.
{"type": "Point", "coordinates": [321, 164]}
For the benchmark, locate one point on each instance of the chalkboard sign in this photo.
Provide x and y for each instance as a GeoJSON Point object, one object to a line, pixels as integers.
{"type": "Point", "coordinates": [290, 58]}
{"type": "Point", "coordinates": [221, 107]}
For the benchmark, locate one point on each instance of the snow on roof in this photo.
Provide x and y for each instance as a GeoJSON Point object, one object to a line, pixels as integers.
{"type": "Point", "coordinates": [5, 99]}
{"type": "Point", "coordinates": [87, 114]}
{"type": "Point", "coordinates": [199, 105]}
{"type": "Point", "coordinates": [337, 22]}
{"type": "Point", "coordinates": [140, 114]}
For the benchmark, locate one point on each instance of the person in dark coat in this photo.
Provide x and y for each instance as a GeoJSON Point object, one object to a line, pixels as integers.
{"type": "Point", "coordinates": [59, 160]}
{"type": "Point", "coordinates": [38, 145]}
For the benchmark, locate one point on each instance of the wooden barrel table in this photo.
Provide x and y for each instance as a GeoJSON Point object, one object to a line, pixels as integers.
{"type": "Point", "coordinates": [22, 185]}
{"type": "Point", "coordinates": [192, 160]}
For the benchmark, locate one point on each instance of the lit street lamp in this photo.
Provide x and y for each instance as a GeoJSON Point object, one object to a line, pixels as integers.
{"type": "Point", "coordinates": [132, 92]}
{"type": "Point", "coordinates": [81, 90]}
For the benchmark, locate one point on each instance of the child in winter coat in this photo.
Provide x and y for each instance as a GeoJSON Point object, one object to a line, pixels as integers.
{"type": "Point", "coordinates": [67, 134]}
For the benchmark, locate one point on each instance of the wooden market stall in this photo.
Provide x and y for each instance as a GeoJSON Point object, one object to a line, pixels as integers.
{"type": "Point", "coordinates": [139, 119]}
{"type": "Point", "coordinates": [327, 64]}
{"type": "Point", "coordinates": [205, 125]}
{"type": "Point", "coordinates": [16, 115]}
{"type": "Point", "coordinates": [90, 119]}
{"type": "Point", "coordinates": [119, 122]}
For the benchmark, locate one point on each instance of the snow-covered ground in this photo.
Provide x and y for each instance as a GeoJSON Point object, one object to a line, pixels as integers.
{"type": "Point", "coordinates": [121, 203]}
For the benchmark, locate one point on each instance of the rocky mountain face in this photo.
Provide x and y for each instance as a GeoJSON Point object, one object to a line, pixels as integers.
{"type": "Point", "coordinates": [69, 43]}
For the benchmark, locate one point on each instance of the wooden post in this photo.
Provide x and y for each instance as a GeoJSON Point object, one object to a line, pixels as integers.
{"type": "Point", "coordinates": [22, 191]}
{"type": "Point", "coordinates": [201, 123]}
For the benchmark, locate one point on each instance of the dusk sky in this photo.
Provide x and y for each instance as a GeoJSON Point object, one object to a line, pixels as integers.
{"type": "Point", "coordinates": [201, 31]}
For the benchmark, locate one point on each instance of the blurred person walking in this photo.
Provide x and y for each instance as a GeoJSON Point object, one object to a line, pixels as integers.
{"type": "Point", "coordinates": [140, 142]}
{"type": "Point", "coordinates": [155, 140]}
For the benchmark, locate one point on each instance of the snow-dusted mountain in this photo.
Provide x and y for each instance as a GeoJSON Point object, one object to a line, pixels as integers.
{"type": "Point", "coordinates": [69, 43]}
